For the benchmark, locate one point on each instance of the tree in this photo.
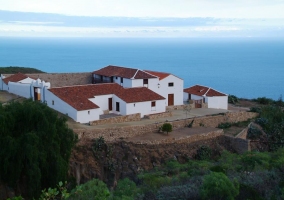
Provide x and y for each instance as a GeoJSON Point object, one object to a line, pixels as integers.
{"type": "Point", "coordinates": [35, 146]}
{"type": "Point", "coordinates": [167, 127]}
{"type": "Point", "coordinates": [218, 186]}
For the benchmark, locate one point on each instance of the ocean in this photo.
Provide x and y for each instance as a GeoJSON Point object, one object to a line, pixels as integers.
{"type": "Point", "coordinates": [245, 67]}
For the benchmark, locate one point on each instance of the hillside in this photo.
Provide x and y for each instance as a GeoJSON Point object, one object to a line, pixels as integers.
{"type": "Point", "coordinates": [13, 70]}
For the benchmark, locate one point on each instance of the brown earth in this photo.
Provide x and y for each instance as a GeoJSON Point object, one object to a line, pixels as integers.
{"type": "Point", "coordinates": [125, 158]}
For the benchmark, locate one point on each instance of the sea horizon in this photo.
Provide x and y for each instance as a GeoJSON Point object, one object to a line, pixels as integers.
{"type": "Point", "coordinates": [245, 67]}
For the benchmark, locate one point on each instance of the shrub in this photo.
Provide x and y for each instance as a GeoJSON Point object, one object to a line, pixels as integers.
{"type": "Point", "coordinates": [167, 127]}
{"type": "Point", "coordinates": [218, 186]}
{"type": "Point", "coordinates": [233, 99]}
{"type": "Point", "coordinates": [93, 189]}
{"type": "Point", "coordinates": [203, 153]}
{"type": "Point", "coordinates": [255, 109]}
{"type": "Point", "coordinates": [253, 133]}
{"type": "Point", "coordinates": [264, 101]}
{"type": "Point", "coordinates": [224, 125]}
{"type": "Point", "coordinates": [125, 189]}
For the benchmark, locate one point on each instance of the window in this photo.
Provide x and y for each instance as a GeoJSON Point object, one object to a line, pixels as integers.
{"type": "Point", "coordinates": [121, 80]}
{"type": "Point", "coordinates": [88, 112]}
{"type": "Point", "coordinates": [153, 104]}
{"type": "Point", "coordinates": [52, 102]}
{"type": "Point", "coordinates": [116, 77]}
{"type": "Point", "coordinates": [171, 84]}
{"type": "Point", "coordinates": [145, 81]}
{"type": "Point", "coordinates": [117, 106]}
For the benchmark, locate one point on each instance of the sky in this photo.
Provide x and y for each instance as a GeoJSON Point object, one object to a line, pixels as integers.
{"type": "Point", "coordinates": [137, 18]}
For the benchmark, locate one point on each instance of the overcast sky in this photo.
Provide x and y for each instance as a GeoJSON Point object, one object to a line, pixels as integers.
{"type": "Point", "coordinates": [236, 17]}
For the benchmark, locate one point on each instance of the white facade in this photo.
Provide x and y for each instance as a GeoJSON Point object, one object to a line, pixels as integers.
{"type": "Point", "coordinates": [84, 116]}
{"type": "Point", "coordinates": [28, 88]}
{"type": "Point", "coordinates": [146, 108]}
{"type": "Point", "coordinates": [169, 85]}
{"type": "Point", "coordinates": [219, 102]}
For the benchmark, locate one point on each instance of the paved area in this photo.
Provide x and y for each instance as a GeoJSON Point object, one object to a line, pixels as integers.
{"type": "Point", "coordinates": [176, 115]}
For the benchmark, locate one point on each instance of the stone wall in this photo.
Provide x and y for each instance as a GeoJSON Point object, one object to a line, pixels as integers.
{"type": "Point", "coordinates": [158, 115]}
{"type": "Point", "coordinates": [238, 144]}
{"type": "Point", "coordinates": [119, 119]}
{"type": "Point", "coordinates": [188, 139]}
{"type": "Point", "coordinates": [178, 107]}
{"type": "Point", "coordinates": [111, 134]}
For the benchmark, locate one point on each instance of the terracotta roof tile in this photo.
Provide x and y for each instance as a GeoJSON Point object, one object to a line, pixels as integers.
{"type": "Point", "coordinates": [203, 90]}
{"type": "Point", "coordinates": [78, 96]}
{"type": "Point", "coordinates": [15, 78]}
{"type": "Point", "coordinates": [161, 75]}
{"type": "Point", "coordinates": [138, 94]}
{"type": "Point", "coordinates": [123, 72]}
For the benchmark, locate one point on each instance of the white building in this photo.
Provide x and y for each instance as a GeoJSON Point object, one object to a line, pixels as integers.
{"type": "Point", "coordinates": [86, 103]}
{"type": "Point", "coordinates": [206, 95]}
{"type": "Point", "coordinates": [24, 86]}
{"type": "Point", "coordinates": [164, 84]}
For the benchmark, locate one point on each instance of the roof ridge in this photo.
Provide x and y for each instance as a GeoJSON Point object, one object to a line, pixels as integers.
{"type": "Point", "coordinates": [135, 74]}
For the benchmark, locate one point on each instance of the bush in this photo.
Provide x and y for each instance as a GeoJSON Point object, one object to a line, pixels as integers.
{"type": "Point", "coordinates": [93, 189]}
{"type": "Point", "coordinates": [167, 127]}
{"type": "Point", "coordinates": [233, 99]}
{"type": "Point", "coordinates": [218, 186]}
{"type": "Point", "coordinates": [255, 109]}
{"type": "Point", "coordinates": [224, 125]}
{"type": "Point", "coordinates": [125, 189]}
{"type": "Point", "coordinates": [203, 153]}
{"type": "Point", "coordinates": [264, 101]}
{"type": "Point", "coordinates": [253, 133]}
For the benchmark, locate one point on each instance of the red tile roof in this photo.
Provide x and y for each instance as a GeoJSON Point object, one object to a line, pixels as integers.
{"type": "Point", "coordinates": [203, 90]}
{"type": "Point", "coordinates": [138, 94]}
{"type": "Point", "coordinates": [15, 78]}
{"type": "Point", "coordinates": [123, 72]}
{"type": "Point", "coordinates": [161, 75]}
{"type": "Point", "coordinates": [78, 96]}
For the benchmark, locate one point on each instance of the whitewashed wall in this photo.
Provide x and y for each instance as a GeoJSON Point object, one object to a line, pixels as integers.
{"type": "Point", "coordinates": [122, 106]}
{"type": "Point", "coordinates": [85, 116]}
{"type": "Point", "coordinates": [102, 102]}
{"type": "Point", "coordinates": [23, 90]}
{"type": "Point", "coordinates": [60, 105]}
{"type": "Point", "coordinates": [218, 102]}
{"type": "Point", "coordinates": [163, 89]}
{"type": "Point", "coordinates": [145, 108]}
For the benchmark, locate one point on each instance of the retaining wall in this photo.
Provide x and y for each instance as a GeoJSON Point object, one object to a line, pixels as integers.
{"type": "Point", "coordinates": [119, 119]}
{"type": "Point", "coordinates": [111, 134]}
{"type": "Point", "coordinates": [158, 115]}
{"type": "Point", "coordinates": [187, 139]}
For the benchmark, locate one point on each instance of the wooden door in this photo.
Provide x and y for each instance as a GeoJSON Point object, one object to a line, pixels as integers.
{"type": "Point", "coordinates": [109, 104]}
{"type": "Point", "coordinates": [170, 99]}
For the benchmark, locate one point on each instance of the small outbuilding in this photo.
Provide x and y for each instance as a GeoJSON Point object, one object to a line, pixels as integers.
{"type": "Point", "coordinates": [202, 96]}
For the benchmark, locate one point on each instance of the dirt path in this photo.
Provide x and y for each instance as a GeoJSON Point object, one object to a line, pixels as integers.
{"type": "Point", "coordinates": [5, 97]}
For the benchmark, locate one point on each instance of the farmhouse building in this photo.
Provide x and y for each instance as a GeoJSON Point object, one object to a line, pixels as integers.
{"type": "Point", "coordinates": [85, 103]}
{"type": "Point", "coordinates": [205, 96]}
{"type": "Point", "coordinates": [24, 86]}
{"type": "Point", "coordinates": [164, 84]}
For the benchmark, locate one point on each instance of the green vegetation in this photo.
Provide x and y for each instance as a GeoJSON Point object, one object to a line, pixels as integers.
{"type": "Point", "coordinates": [271, 119]}
{"type": "Point", "coordinates": [217, 185]}
{"type": "Point", "coordinates": [35, 146]}
{"type": "Point", "coordinates": [268, 101]}
{"type": "Point", "coordinates": [14, 70]}
{"type": "Point", "coordinates": [167, 127]}
{"type": "Point", "coordinates": [233, 99]}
